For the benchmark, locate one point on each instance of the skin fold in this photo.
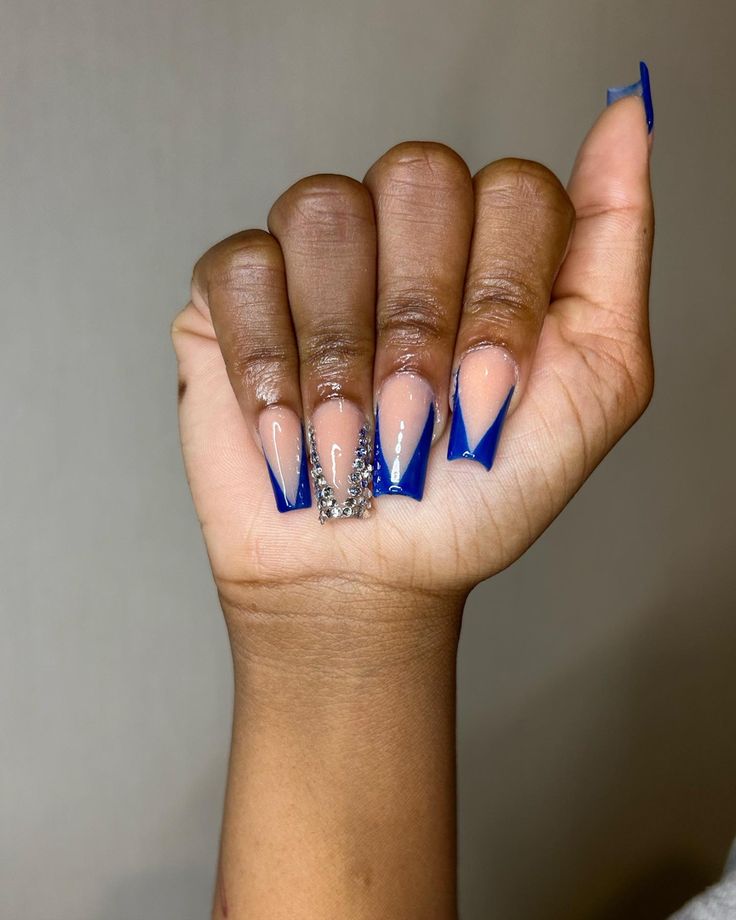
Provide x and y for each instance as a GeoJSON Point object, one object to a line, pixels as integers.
{"type": "Point", "coordinates": [341, 790]}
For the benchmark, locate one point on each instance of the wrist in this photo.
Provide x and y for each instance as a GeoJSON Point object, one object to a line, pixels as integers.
{"type": "Point", "coordinates": [339, 633]}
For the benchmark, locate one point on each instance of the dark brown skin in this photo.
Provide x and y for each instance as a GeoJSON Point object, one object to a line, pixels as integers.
{"type": "Point", "coordinates": [341, 792]}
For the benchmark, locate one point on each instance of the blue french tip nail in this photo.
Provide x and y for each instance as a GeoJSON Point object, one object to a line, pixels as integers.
{"type": "Point", "coordinates": [641, 88]}
{"type": "Point", "coordinates": [413, 475]}
{"type": "Point", "coordinates": [303, 497]}
{"type": "Point", "coordinates": [484, 452]}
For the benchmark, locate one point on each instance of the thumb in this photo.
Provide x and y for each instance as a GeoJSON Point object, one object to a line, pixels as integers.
{"type": "Point", "coordinates": [602, 287]}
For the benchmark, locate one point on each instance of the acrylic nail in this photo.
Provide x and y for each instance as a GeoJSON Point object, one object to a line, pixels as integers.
{"type": "Point", "coordinates": [484, 386]}
{"type": "Point", "coordinates": [340, 455]}
{"type": "Point", "coordinates": [404, 425]}
{"type": "Point", "coordinates": [641, 88]}
{"type": "Point", "coordinates": [280, 430]}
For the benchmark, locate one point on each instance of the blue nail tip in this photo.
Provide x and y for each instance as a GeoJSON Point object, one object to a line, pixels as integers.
{"type": "Point", "coordinates": [303, 494]}
{"type": "Point", "coordinates": [412, 480]}
{"type": "Point", "coordinates": [485, 451]}
{"type": "Point", "coordinates": [642, 88]}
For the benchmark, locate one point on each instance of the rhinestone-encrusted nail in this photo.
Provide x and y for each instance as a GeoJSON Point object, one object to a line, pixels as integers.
{"type": "Point", "coordinates": [358, 502]}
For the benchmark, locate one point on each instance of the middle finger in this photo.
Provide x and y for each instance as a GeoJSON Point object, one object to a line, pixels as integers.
{"type": "Point", "coordinates": [423, 197]}
{"type": "Point", "coordinates": [326, 229]}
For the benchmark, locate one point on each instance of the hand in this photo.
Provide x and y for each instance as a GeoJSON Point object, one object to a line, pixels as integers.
{"type": "Point", "coordinates": [537, 295]}
{"type": "Point", "coordinates": [418, 290]}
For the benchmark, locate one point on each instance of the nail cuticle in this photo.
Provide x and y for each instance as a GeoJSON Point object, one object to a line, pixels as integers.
{"type": "Point", "coordinates": [438, 418]}
{"type": "Point", "coordinates": [499, 349]}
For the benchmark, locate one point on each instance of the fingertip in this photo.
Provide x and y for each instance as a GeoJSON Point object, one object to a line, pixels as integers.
{"type": "Point", "coordinates": [612, 166]}
{"type": "Point", "coordinates": [622, 126]}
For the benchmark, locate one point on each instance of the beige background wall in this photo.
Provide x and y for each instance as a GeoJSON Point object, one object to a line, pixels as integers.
{"type": "Point", "coordinates": [598, 676]}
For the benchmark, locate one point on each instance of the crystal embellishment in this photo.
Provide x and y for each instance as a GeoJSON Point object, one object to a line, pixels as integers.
{"type": "Point", "coordinates": [360, 488]}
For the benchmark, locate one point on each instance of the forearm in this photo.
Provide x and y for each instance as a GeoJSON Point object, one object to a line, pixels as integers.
{"type": "Point", "coordinates": [341, 792]}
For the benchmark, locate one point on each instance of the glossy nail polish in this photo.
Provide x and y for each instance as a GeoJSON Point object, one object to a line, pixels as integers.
{"type": "Point", "coordinates": [641, 88]}
{"type": "Point", "coordinates": [280, 430]}
{"type": "Point", "coordinates": [484, 386]}
{"type": "Point", "coordinates": [340, 454]}
{"type": "Point", "coordinates": [404, 426]}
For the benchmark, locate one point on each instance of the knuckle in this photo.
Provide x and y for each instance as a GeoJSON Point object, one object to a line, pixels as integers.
{"type": "Point", "coordinates": [626, 220]}
{"type": "Point", "coordinates": [420, 163]}
{"type": "Point", "coordinates": [523, 181]}
{"type": "Point", "coordinates": [240, 261]}
{"type": "Point", "coordinates": [261, 363]}
{"type": "Point", "coordinates": [413, 317]}
{"type": "Point", "coordinates": [321, 200]}
{"type": "Point", "coordinates": [507, 299]}
{"type": "Point", "coordinates": [334, 350]}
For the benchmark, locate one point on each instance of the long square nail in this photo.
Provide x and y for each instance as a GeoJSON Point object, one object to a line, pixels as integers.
{"type": "Point", "coordinates": [484, 386]}
{"type": "Point", "coordinates": [340, 454]}
{"type": "Point", "coordinates": [282, 439]}
{"type": "Point", "coordinates": [404, 426]}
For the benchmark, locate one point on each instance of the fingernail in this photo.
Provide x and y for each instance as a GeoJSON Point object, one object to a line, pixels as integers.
{"type": "Point", "coordinates": [641, 88]}
{"type": "Point", "coordinates": [280, 430]}
{"type": "Point", "coordinates": [484, 386]}
{"type": "Point", "coordinates": [404, 425]}
{"type": "Point", "coordinates": [340, 453]}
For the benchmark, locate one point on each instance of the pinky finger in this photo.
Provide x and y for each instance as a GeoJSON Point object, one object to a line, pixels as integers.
{"type": "Point", "coordinates": [523, 220]}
